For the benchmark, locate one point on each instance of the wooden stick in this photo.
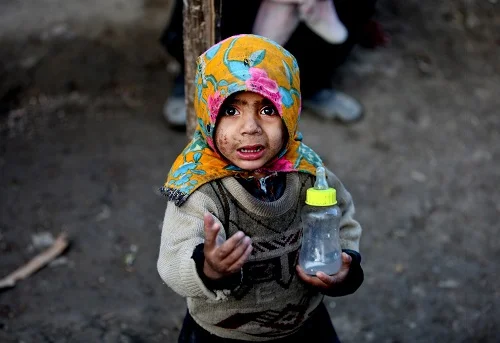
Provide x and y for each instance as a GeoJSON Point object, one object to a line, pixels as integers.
{"type": "Point", "coordinates": [60, 244]}
{"type": "Point", "coordinates": [201, 29]}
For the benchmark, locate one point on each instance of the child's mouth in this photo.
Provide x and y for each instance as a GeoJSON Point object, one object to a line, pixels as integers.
{"type": "Point", "coordinates": [253, 152]}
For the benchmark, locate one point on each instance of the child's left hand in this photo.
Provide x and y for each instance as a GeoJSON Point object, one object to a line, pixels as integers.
{"type": "Point", "coordinates": [325, 281]}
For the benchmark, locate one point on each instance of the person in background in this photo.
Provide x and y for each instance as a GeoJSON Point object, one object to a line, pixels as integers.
{"type": "Point", "coordinates": [319, 33]}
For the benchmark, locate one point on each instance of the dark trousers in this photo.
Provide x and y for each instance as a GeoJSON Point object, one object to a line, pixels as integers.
{"type": "Point", "coordinates": [318, 329]}
{"type": "Point", "coordinates": [317, 59]}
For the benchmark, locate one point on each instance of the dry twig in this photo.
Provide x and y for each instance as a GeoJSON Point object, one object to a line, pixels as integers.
{"type": "Point", "coordinates": [60, 244]}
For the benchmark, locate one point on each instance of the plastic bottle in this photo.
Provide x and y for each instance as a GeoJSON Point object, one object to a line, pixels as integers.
{"type": "Point", "coordinates": [320, 249]}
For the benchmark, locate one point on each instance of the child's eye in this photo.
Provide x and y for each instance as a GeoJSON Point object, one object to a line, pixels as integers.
{"type": "Point", "coordinates": [230, 111]}
{"type": "Point", "coordinates": [269, 111]}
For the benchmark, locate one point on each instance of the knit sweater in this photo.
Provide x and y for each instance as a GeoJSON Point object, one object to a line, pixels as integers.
{"type": "Point", "coordinates": [271, 301]}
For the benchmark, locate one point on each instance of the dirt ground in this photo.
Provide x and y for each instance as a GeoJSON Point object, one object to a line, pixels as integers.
{"type": "Point", "coordinates": [84, 149]}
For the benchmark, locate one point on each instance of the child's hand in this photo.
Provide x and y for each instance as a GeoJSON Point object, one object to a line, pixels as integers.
{"type": "Point", "coordinates": [324, 281]}
{"type": "Point", "coordinates": [225, 258]}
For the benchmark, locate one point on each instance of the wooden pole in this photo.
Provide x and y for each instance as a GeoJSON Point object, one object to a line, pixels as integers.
{"type": "Point", "coordinates": [201, 29]}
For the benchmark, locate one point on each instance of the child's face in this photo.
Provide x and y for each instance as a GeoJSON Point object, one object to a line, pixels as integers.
{"type": "Point", "coordinates": [249, 130]}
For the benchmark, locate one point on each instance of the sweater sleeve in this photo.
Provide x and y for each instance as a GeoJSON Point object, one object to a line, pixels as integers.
{"type": "Point", "coordinates": [350, 233]}
{"type": "Point", "coordinates": [182, 232]}
{"type": "Point", "coordinates": [350, 230]}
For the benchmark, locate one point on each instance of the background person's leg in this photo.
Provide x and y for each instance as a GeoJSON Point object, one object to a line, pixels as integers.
{"type": "Point", "coordinates": [318, 60]}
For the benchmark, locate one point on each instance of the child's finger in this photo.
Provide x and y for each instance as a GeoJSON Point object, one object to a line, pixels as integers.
{"type": "Point", "coordinates": [312, 280]}
{"type": "Point", "coordinates": [326, 279]}
{"type": "Point", "coordinates": [238, 251]}
{"type": "Point", "coordinates": [228, 246]}
{"type": "Point", "coordinates": [238, 264]}
{"type": "Point", "coordinates": [340, 275]}
{"type": "Point", "coordinates": [346, 263]}
{"type": "Point", "coordinates": [346, 259]}
{"type": "Point", "coordinates": [331, 280]}
{"type": "Point", "coordinates": [211, 231]}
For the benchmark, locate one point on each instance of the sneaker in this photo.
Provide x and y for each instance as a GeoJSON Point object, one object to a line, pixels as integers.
{"type": "Point", "coordinates": [174, 110]}
{"type": "Point", "coordinates": [331, 104]}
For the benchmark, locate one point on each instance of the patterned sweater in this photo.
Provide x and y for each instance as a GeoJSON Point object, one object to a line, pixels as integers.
{"type": "Point", "coordinates": [270, 301]}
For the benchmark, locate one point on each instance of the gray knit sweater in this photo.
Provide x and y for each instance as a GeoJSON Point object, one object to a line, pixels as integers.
{"type": "Point", "coordinates": [271, 301]}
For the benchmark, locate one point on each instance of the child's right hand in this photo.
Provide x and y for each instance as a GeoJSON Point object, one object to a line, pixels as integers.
{"type": "Point", "coordinates": [225, 258]}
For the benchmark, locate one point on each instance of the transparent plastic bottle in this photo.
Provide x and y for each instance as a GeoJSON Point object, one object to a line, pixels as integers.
{"type": "Point", "coordinates": [320, 249]}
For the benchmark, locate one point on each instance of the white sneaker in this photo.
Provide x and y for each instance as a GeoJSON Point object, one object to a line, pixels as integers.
{"type": "Point", "coordinates": [331, 104]}
{"type": "Point", "coordinates": [174, 111]}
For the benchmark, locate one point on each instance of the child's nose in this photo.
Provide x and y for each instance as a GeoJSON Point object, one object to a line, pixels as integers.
{"type": "Point", "coordinates": [250, 125]}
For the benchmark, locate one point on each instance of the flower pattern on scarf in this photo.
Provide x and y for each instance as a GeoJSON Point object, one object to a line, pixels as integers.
{"type": "Point", "coordinates": [214, 103]}
{"type": "Point", "coordinates": [260, 83]}
{"type": "Point", "coordinates": [281, 164]}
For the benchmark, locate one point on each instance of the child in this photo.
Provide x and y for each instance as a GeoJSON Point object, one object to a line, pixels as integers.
{"type": "Point", "coordinates": [232, 231]}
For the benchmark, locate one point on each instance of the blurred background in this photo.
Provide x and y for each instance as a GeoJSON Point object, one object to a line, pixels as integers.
{"type": "Point", "coordinates": [84, 148]}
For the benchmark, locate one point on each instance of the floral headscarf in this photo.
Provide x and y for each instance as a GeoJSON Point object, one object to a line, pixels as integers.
{"type": "Point", "coordinates": [240, 63]}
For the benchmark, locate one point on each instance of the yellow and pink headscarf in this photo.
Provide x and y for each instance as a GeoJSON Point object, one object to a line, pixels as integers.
{"type": "Point", "coordinates": [240, 63]}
